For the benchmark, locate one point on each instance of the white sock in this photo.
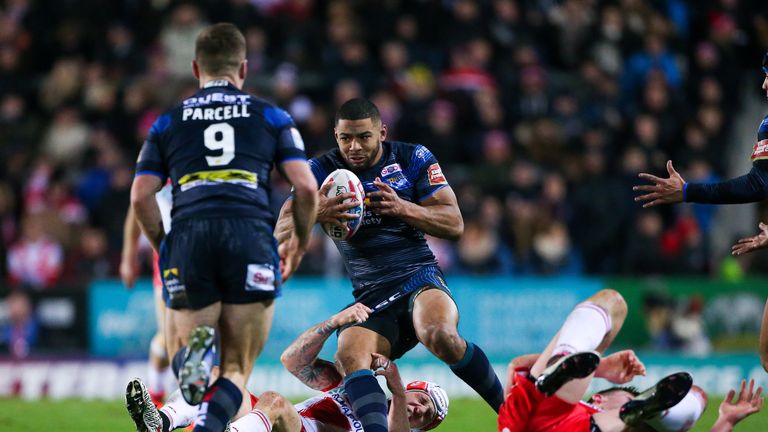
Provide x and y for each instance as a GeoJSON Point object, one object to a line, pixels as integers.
{"type": "Point", "coordinates": [682, 416]}
{"type": "Point", "coordinates": [179, 412]}
{"type": "Point", "coordinates": [254, 421]}
{"type": "Point", "coordinates": [584, 329]}
{"type": "Point", "coordinates": [156, 379]}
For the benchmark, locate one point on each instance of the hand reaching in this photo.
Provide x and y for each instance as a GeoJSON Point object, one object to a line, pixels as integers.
{"type": "Point", "coordinates": [749, 244]}
{"type": "Point", "coordinates": [620, 367]}
{"type": "Point", "coordinates": [388, 369]}
{"type": "Point", "coordinates": [663, 190]}
{"type": "Point", "coordinates": [748, 403]}
{"type": "Point", "coordinates": [355, 314]}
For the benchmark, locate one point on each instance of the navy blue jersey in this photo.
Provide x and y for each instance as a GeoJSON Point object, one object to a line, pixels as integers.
{"type": "Point", "coordinates": [751, 187]}
{"type": "Point", "coordinates": [385, 252]}
{"type": "Point", "coordinates": [218, 148]}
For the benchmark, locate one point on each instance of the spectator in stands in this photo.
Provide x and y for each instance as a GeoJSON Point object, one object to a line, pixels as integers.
{"type": "Point", "coordinates": [19, 334]}
{"type": "Point", "coordinates": [36, 260]}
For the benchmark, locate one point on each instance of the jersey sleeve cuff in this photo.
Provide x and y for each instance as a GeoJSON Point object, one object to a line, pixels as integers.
{"type": "Point", "coordinates": [432, 193]}
{"type": "Point", "coordinates": [292, 158]}
{"type": "Point", "coordinates": [160, 175]}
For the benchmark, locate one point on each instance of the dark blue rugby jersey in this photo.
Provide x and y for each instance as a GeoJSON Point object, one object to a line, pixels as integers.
{"type": "Point", "coordinates": [386, 251]}
{"type": "Point", "coordinates": [218, 148]}
{"type": "Point", "coordinates": [751, 187]}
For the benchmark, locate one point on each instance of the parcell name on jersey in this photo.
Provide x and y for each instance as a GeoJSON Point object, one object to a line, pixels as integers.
{"type": "Point", "coordinates": [219, 113]}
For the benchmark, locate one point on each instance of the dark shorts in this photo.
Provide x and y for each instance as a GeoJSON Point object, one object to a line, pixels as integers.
{"type": "Point", "coordinates": [229, 260]}
{"type": "Point", "coordinates": [395, 322]}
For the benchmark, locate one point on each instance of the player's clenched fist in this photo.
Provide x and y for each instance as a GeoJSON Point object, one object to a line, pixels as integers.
{"type": "Point", "coordinates": [355, 314]}
{"type": "Point", "coordinates": [385, 201]}
{"type": "Point", "coordinates": [334, 210]}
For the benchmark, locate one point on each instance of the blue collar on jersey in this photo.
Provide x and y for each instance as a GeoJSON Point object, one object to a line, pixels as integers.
{"type": "Point", "coordinates": [217, 83]}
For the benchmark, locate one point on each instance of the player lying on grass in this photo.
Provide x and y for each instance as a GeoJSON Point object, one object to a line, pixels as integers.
{"type": "Point", "coordinates": [548, 394]}
{"type": "Point", "coordinates": [418, 406]}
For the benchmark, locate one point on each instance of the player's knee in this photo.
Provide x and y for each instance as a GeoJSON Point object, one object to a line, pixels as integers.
{"type": "Point", "coordinates": [273, 404]}
{"type": "Point", "coordinates": [444, 341]}
{"type": "Point", "coordinates": [612, 301]}
{"type": "Point", "coordinates": [351, 361]}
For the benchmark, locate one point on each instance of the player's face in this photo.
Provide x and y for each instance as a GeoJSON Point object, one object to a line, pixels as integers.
{"type": "Point", "coordinates": [360, 142]}
{"type": "Point", "coordinates": [421, 410]}
{"type": "Point", "coordinates": [612, 400]}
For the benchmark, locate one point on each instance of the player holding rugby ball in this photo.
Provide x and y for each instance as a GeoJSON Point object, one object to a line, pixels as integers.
{"type": "Point", "coordinates": [393, 270]}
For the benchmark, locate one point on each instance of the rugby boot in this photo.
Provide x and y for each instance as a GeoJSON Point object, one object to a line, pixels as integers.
{"type": "Point", "coordinates": [564, 368]}
{"type": "Point", "coordinates": [664, 395]}
{"type": "Point", "coordinates": [199, 359]}
{"type": "Point", "coordinates": [139, 404]}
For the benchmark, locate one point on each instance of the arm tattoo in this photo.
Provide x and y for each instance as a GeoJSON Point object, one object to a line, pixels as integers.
{"type": "Point", "coordinates": [300, 358]}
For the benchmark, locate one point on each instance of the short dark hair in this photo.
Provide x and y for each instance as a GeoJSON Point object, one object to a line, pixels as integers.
{"type": "Point", "coordinates": [629, 389]}
{"type": "Point", "coordinates": [358, 109]}
{"type": "Point", "coordinates": [220, 48]}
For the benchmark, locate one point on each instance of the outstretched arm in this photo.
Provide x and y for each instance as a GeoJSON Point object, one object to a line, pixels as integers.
{"type": "Point", "coordinates": [145, 207]}
{"type": "Point", "coordinates": [398, 410]}
{"type": "Point", "coordinates": [300, 358]}
{"type": "Point", "coordinates": [751, 187]}
{"type": "Point", "coordinates": [129, 266]}
{"type": "Point", "coordinates": [732, 412]}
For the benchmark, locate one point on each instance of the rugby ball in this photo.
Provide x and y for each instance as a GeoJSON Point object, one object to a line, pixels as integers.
{"type": "Point", "coordinates": [344, 181]}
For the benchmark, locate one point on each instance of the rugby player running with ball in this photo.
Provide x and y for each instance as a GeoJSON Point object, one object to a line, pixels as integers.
{"type": "Point", "coordinates": [393, 270]}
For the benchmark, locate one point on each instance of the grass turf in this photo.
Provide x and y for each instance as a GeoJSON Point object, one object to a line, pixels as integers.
{"type": "Point", "coordinates": [466, 415]}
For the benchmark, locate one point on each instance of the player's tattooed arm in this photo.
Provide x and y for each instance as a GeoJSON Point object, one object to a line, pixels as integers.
{"type": "Point", "coordinates": [300, 358]}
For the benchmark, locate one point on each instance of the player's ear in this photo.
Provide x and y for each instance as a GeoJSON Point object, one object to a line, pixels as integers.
{"type": "Point", "coordinates": [243, 70]}
{"type": "Point", "coordinates": [597, 399]}
{"type": "Point", "coordinates": [196, 69]}
{"type": "Point", "coordinates": [383, 132]}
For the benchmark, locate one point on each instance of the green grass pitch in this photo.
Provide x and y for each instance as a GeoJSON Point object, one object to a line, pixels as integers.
{"type": "Point", "coordinates": [465, 415]}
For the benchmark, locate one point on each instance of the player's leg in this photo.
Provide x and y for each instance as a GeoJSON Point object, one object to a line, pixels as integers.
{"type": "Point", "coordinates": [591, 326]}
{"type": "Point", "coordinates": [355, 346]}
{"type": "Point", "coordinates": [176, 413]}
{"type": "Point", "coordinates": [158, 356]}
{"type": "Point", "coordinates": [271, 413]}
{"type": "Point", "coordinates": [764, 339]}
{"type": "Point", "coordinates": [435, 320]}
{"type": "Point", "coordinates": [244, 254]}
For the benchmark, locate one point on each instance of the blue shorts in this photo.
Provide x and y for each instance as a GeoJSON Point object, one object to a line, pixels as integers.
{"type": "Point", "coordinates": [394, 319]}
{"type": "Point", "coordinates": [230, 260]}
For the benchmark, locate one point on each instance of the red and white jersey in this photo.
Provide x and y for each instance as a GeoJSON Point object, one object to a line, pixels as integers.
{"type": "Point", "coordinates": [328, 412]}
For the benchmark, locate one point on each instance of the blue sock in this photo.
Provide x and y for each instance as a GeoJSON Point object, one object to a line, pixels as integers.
{"type": "Point", "coordinates": [475, 370]}
{"type": "Point", "coordinates": [367, 399]}
{"type": "Point", "coordinates": [219, 405]}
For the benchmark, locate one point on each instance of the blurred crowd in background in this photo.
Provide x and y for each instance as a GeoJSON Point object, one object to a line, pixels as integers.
{"type": "Point", "coordinates": [541, 112]}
